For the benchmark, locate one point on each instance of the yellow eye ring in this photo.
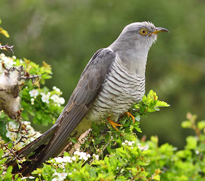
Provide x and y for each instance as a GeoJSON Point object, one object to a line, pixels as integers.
{"type": "Point", "coordinates": [143, 31]}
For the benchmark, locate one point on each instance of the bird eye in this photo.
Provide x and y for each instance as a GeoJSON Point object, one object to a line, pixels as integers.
{"type": "Point", "coordinates": [143, 31]}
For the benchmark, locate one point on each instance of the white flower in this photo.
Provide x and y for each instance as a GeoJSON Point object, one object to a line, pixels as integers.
{"type": "Point", "coordinates": [77, 153]}
{"type": "Point", "coordinates": [56, 89]}
{"type": "Point", "coordinates": [45, 97]}
{"type": "Point", "coordinates": [20, 60]}
{"type": "Point", "coordinates": [8, 61]}
{"type": "Point", "coordinates": [32, 101]}
{"type": "Point", "coordinates": [14, 57]}
{"type": "Point", "coordinates": [142, 148]}
{"type": "Point", "coordinates": [31, 177]}
{"type": "Point", "coordinates": [96, 156]}
{"type": "Point", "coordinates": [57, 99]}
{"type": "Point", "coordinates": [129, 143]}
{"type": "Point", "coordinates": [30, 131]}
{"type": "Point", "coordinates": [33, 93]}
{"type": "Point", "coordinates": [24, 178]}
{"type": "Point", "coordinates": [2, 55]}
{"type": "Point", "coordinates": [11, 125]}
{"type": "Point", "coordinates": [61, 100]}
{"type": "Point", "coordinates": [12, 135]}
{"type": "Point", "coordinates": [27, 123]}
{"type": "Point", "coordinates": [82, 155]}
{"type": "Point", "coordinates": [1, 69]}
{"type": "Point", "coordinates": [60, 176]}
{"type": "Point", "coordinates": [67, 159]}
{"type": "Point", "coordinates": [58, 159]}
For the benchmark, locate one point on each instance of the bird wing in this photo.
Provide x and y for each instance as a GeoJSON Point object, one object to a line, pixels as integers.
{"type": "Point", "coordinates": [52, 142]}
{"type": "Point", "coordinates": [87, 89]}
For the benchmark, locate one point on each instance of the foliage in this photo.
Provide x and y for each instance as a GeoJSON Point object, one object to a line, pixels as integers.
{"type": "Point", "coordinates": [182, 165]}
{"type": "Point", "coordinates": [104, 155]}
{"type": "Point", "coordinates": [133, 160]}
{"type": "Point", "coordinates": [38, 103]}
{"type": "Point", "coordinates": [3, 31]}
{"type": "Point", "coordinates": [67, 33]}
{"type": "Point", "coordinates": [109, 154]}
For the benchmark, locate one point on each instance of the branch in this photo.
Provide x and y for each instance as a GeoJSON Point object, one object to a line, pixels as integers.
{"type": "Point", "coordinates": [7, 47]}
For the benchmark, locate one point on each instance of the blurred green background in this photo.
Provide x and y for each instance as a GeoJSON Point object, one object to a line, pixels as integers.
{"type": "Point", "coordinates": [66, 33]}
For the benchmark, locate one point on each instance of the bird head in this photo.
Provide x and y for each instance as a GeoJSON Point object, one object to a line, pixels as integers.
{"type": "Point", "coordinates": [139, 35]}
{"type": "Point", "coordinates": [133, 44]}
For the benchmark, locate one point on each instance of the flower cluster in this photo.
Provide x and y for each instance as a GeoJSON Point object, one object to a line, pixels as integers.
{"type": "Point", "coordinates": [59, 176]}
{"type": "Point", "coordinates": [34, 93]}
{"type": "Point", "coordinates": [8, 61]}
{"type": "Point", "coordinates": [54, 96]}
{"type": "Point", "coordinates": [45, 97]}
{"type": "Point", "coordinates": [129, 143]}
{"type": "Point", "coordinates": [65, 159]}
{"type": "Point", "coordinates": [143, 148]}
{"type": "Point", "coordinates": [58, 100]}
{"type": "Point", "coordinates": [14, 134]}
{"type": "Point", "coordinates": [96, 156]}
{"type": "Point", "coordinates": [82, 155]}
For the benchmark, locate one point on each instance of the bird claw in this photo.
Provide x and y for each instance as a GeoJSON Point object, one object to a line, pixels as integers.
{"type": "Point", "coordinates": [114, 124]}
{"type": "Point", "coordinates": [130, 115]}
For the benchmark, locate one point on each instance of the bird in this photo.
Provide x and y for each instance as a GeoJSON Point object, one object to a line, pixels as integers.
{"type": "Point", "coordinates": [111, 82]}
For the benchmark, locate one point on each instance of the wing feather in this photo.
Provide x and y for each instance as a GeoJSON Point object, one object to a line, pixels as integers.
{"type": "Point", "coordinates": [86, 91]}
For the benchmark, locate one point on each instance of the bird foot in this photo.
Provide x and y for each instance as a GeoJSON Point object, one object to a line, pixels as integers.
{"type": "Point", "coordinates": [114, 124]}
{"type": "Point", "coordinates": [130, 115]}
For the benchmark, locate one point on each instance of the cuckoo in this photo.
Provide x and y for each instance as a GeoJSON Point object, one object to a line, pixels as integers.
{"type": "Point", "coordinates": [111, 82]}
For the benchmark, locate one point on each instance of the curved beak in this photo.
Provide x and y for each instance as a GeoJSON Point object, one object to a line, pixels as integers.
{"type": "Point", "coordinates": [158, 30]}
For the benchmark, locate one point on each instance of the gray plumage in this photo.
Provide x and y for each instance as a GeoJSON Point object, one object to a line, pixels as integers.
{"type": "Point", "coordinates": [111, 82]}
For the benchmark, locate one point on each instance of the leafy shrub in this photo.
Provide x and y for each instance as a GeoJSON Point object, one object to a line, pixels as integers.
{"type": "Point", "coordinates": [106, 154]}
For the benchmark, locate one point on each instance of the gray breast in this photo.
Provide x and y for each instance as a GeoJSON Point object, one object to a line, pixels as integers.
{"type": "Point", "coordinates": [119, 91]}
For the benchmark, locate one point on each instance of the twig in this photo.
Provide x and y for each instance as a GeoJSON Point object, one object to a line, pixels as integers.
{"type": "Point", "coordinates": [7, 47]}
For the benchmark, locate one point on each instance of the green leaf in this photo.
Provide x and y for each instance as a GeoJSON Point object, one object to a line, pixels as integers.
{"type": "Point", "coordinates": [74, 140]}
{"type": "Point", "coordinates": [162, 104]}
{"type": "Point", "coordinates": [154, 139]}
{"type": "Point", "coordinates": [186, 124]}
{"type": "Point", "coordinates": [191, 142]}
{"type": "Point", "coordinates": [136, 126]}
{"type": "Point", "coordinates": [25, 115]}
{"type": "Point", "coordinates": [201, 125]}
{"type": "Point", "coordinates": [39, 115]}
{"type": "Point", "coordinates": [4, 32]}
{"type": "Point", "coordinates": [156, 177]}
{"type": "Point", "coordinates": [1, 153]}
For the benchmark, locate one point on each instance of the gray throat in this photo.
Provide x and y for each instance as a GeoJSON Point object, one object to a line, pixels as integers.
{"type": "Point", "coordinates": [131, 58]}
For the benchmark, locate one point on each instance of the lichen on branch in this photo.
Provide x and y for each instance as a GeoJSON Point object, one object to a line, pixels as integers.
{"type": "Point", "coordinates": [11, 80]}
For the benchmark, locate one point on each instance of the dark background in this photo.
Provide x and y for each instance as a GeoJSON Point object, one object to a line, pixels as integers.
{"type": "Point", "coordinates": [66, 33]}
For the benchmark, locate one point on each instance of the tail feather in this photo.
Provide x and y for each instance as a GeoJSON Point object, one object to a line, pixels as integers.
{"type": "Point", "coordinates": [51, 143]}
{"type": "Point", "coordinates": [32, 151]}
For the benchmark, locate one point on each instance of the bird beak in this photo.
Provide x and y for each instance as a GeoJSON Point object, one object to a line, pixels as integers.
{"type": "Point", "coordinates": [158, 30]}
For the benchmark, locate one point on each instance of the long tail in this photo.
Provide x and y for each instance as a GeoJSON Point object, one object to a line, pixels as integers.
{"type": "Point", "coordinates": [51, 143]}
{"type": "Point", "coordinates": [34, 149]}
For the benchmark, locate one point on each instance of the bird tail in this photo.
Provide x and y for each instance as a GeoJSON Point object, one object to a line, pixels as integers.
{"type": "Point", "coordinates": [52, 142]}
{"type": "Point", "coordinates": [32, 152]}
